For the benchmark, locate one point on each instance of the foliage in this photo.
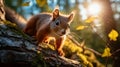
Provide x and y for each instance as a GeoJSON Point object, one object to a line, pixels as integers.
{"type": "Point", "coordinates": [90, 19]}
{"type": "Point", "coordinates": [41, 3]}
{"type": "Point", "coordinates": [81, 27]}
{"type": "Point", "coordinates": [86, 57]}
{"type": "Point", "coordinates": [26, 4]}
{"type": "Point", "coordinates": [106, 52]}
{"type": "Point", "coordinates": [113, 35]}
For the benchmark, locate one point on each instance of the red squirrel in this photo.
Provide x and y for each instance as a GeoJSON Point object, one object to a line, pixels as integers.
{"type": "Point", "coordinates": [50, 25]}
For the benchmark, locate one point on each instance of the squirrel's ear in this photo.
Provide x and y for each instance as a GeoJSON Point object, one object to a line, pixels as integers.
{"type": "Point", "coordinates": [56, 13]}
{"type": "Point", "coordinates": [71, 16]}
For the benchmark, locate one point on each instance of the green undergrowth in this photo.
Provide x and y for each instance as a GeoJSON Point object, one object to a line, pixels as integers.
{"type": "Point", "coordinates": [85, 57]}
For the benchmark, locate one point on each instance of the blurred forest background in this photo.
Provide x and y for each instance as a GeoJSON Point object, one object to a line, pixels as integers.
{"type": "Point", "coordinates": [88, 27]}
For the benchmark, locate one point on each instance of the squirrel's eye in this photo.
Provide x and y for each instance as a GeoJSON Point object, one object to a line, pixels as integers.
{"type": "Point", "coordinates": [57, 22]}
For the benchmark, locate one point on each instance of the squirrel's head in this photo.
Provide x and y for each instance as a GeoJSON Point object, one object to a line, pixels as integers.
{"type": "Point", "coordinates": [60, 23]}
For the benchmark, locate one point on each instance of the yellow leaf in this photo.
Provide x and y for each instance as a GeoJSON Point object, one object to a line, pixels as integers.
{"type": "Point", "coordinates": [113, 35]}
{"type": "Point", "coordinates": [81, 27]}
{"type": "Point", "coordinates": [90, 19]}
{"type": "Point", "coordinates": [26, 4]}
{"type": "Point", "coordinates": [41, 3]}
{"type": "Point", "coordinates": [84, 58]}
{"type": "Point", "coordinates": [106, 52]}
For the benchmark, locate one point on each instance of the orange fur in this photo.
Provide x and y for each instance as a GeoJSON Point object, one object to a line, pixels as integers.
{"type": "Point", "coordinates": [46, 25]}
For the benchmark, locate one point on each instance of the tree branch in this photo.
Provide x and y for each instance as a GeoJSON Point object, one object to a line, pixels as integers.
{"type": "Point", "coordinates": [81, 46]}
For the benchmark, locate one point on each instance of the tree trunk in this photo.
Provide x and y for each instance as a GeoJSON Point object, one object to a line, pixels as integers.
{"type": "Point", "coordinates": [109, 24]}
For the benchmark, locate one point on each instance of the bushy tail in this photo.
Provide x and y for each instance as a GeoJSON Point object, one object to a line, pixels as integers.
{"type": "Point", "coordinates": [14, 17]}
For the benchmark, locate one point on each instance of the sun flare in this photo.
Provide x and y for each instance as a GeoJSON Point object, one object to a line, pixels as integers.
{"type": "Point", "coordinates": [94, 9]}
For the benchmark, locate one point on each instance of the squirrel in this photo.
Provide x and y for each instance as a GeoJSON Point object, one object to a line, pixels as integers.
{"type": "Point", "coordinates": [47, 26]}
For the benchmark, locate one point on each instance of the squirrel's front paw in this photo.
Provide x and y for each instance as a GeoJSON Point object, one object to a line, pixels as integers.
{"type": "Point", "coordinates": [60, 52]}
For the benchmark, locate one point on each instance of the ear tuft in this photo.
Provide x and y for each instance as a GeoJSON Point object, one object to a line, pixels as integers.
{"type": "Point", "coordinates": [56, 12]}
{"type": "Point", "coordinates": [71, 16]}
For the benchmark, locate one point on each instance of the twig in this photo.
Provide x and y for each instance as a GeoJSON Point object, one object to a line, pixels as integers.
{"type": "Point", "coordinates": [118, 50]}
{"type": "Point", "coordinates": [79, 45]}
